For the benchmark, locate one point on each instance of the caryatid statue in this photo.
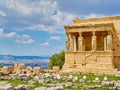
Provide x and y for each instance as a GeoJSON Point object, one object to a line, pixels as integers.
{"type": "Point", "coordinates": [80, 39]}
{"type": "Point", "coordinates": [71, 43]}
{"type": "Point", "coordinates": [67, 42]}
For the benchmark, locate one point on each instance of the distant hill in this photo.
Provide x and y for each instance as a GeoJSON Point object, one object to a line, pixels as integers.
{"type": "Point", "coordinates": [12, 57]}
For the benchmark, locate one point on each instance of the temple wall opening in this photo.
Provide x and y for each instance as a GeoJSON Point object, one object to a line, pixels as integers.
{"type": "Point", "coordinates": [87, 41]}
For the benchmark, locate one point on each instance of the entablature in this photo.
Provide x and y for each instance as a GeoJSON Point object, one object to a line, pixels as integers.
{"type": "Point", "coordinates": [96, 27]}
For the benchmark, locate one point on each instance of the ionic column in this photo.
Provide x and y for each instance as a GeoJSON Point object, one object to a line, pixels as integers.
{"type": "Point", "coordinates": [93, 42]}
{"type": "Point", "coordinates": [109, 42]}
{"type": "Point", "coordinates": [74, 39]}
{"type": "Point", "coordinates": [80, 41]}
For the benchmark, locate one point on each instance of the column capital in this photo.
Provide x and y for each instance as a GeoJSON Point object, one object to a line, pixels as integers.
{"type": "Point", "coordinates": [93, 32]}
{"type": "Point", "coordinates": [80, 33]}
{"type": "Point", "coordinates": [109, 32]}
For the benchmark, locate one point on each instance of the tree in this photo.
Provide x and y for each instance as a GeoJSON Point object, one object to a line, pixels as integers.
{"type": "Point", "coordinates": [57, 59]}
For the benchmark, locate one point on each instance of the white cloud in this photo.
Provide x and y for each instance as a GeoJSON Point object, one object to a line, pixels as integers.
{"type": "Point", "coordinates": [7, 35]}
{"type": "Point", "coordinates": [10, 35]}
{"type": "Point", "coordinates": [54, 38]}
{"type": "Point", "coordinates": [63, 18]}
{"type": "Point", "coordinates": [45, 44]}
{"type": "Point", "coordinates": [17, 5]}
{"type": "Point", "coordinates": [1, 32]}
{"type": "Point", "coordinates": [41, 15]}
{"type": "Point", "coordinates": [26, 7]}
{"type": "Point", "coordinates": [24, 38]}
{"type": "Point", "coordinates": [42, 27]}
{"type": "Point", "coordinates": [2, 13]}
{"type": "Point", "coordinates": [50, 15]}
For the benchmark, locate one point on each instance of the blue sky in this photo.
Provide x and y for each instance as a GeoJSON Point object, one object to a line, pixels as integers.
{"type": "Point", "coordinates": [36, 27]}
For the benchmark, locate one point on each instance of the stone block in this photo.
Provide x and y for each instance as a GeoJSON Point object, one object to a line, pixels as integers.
{"type": "Point", "coordinates": [56, 68]}
{"type": "Point", "coordinates": [7, 69]}
{"type": "Point", "coordinates": [29, 70]}
{"type": "Point", "coordinates": [18, 71]}
{"type": "Point", "coordinates": [69, 57]}
{"type": "Point", "coordinates": [21, 66]}
{"type": "Point", "coordinates": [37, 70]}
{"type": "Point", "coordinates": [16, 65]}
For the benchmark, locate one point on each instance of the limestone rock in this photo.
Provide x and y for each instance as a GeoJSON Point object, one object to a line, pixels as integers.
{"type": "Point", "coordinates": [41, 81]}
{"type": "Point", "coordinates": [68, 84]}
{"type": "Point", "coordinates": [36, 78]}
{"type": "Point", "coordinates": [117, 84]}
{"type": "Point", "coordinates": [105, 78]}
{"type": "Point", "coordinates": [84, 77]}
{"type": "Point", "coordinates": [96, 80]}
{"type": "Point", "coordinates": [40, 88]}
{"type": "Point", "coordinates": [70, 77]}
{"type": "Point", "coordinates": [6, 86]}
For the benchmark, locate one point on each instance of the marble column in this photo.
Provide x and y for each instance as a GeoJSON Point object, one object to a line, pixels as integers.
{"type": "Point", "coordinates": [93, 41]}
{"type": "Point", "coordinates": [80, 42]}
{"type": "Point", "coordinates": [109, 42]}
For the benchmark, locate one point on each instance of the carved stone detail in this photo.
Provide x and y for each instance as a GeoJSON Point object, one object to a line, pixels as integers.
{"type": "Point", "coordinates": [80, 41]}
{"type": "Point", "coordinates": [67, 42]}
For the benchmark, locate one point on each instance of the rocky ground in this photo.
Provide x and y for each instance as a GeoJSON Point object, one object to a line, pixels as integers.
{"type": "Point", "coordinates": [55, 81]}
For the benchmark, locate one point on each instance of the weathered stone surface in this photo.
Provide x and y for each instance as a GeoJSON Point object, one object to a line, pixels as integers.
{"type": "Point", "coordinates": [117, 84]}
{"type": "Point", "coordinates": [40, 88]}
{"type": "Point", "coordinates": [7, 69]}
{"type": "Point", "coordinates": [29, 70]}
{"type": "Point", "coordinates": [56, 68]}
{"type": "Point", "coordinates": [41, 81]}
{"type": "Point", "coordinates": [68, 84]}
{"type": "Point", "coordinates": [96, 80]}
{"type": "Point", "coordinates": [36, 78]}
{"type": "Point", "coordinates": [50, 88]}
{"type": "Point", "coordinates": [105, 78]}
{"type": "Point", "coordinates": [20, 87]}
{"type": "Point", "coordinates": [6, 86]}
{"type": "Point", "coordinates": [23, 76]}
{"type": "Point", "coordinates": [37, 70]}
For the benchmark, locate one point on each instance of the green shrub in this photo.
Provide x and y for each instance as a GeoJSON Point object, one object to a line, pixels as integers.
{"type": "Point", "coordinates": [57, 59]}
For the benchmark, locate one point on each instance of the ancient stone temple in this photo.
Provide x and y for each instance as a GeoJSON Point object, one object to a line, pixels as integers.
{"type": "Point", "coordinates": [93, 45]}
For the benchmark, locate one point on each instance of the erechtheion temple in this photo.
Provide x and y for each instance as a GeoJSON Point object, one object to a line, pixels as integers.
{"type": "Point", "coordinates": [93, 45]}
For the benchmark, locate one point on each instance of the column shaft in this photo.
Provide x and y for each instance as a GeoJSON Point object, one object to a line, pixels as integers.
{"type": "Point", "coordinates": [105, 43]}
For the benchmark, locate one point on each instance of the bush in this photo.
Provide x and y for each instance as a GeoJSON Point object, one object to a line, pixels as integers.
{"type": "Point", "coordinates": [57, 59]}
{"type": "Point", "coordinates": [1, 66]}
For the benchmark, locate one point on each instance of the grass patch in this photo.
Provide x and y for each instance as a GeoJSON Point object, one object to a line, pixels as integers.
{"type": "Point", "coordinates": [16, 82]}
{"type": "Point", "coordinates": [89, 82]}
{"type": "Point", "coordinates": [37, 84]}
